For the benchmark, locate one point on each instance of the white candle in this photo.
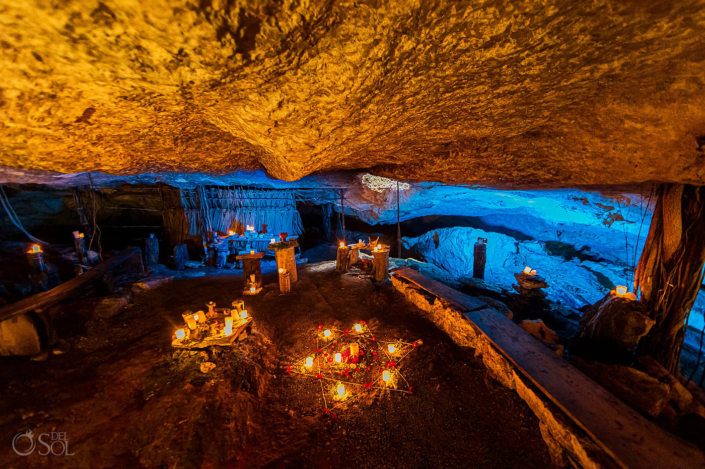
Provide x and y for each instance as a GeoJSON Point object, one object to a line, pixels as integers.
{"type": "Point", "coordinates": [386, 376]}
{"type": "Point", "coordinates": [243, 315]}
{"type": "Point", "coordinates": [228, 330]}
{"type": "Point", "coordinates": [326, 333]}
{"type": "Point", "coordinates": [180, 334]}
{"type": "Point", "coordinates": [338, 357]}
{"type": "Point", "coordinates": [527, 270]}
{"type": "Point", "coordinates": [341, 391]}
{"type": "Point", "coordinates": [274, 240]}
{"type": "Point", "coordinates": [253, 289]}
{"type": "Point", "coordinates": [358, 328]}
{"type": "Point", "coordinates": [391, 348]}
{"type": "Point", "coordinates": [621, 290]}
{"type": "Point", "coordinates": [309, 362]}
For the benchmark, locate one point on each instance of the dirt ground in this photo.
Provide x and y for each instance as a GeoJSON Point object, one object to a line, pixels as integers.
{"type": "Point", "coordinates": [124, 397]}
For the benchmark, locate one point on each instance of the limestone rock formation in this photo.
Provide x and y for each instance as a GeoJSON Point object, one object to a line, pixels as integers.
{"type": "Point", "coordinates": [610, 330]}
{"type": "Point", "coordinates": [508, 93]}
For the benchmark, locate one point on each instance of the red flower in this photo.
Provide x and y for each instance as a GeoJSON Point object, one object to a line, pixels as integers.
{"type": "Point", "coordinates": [330, 360]}
{"type": "Point", "coordinates": [367, 385]}
{"type": "Point", "coordinates": [374, 353]}
{"type": "Point", "coordinates": [367, 369]}
{"type": "Point", "coordinates": [318, 376]}
{"type": "Point", "coordinates": [334, 416]}
{"type": "Point", "coordinates": [326, 411]}
{"type": "Point", "coordinates": [391, 365]}
{"type": "Point", "coordinates": [414, 345]}
{"type": "Point", "coordinates": [346, 373]}
{"type": "Point", "coordinates": [288, 369]}
{"type": "Point", "coordinates": [320, 326]}
{"type": "Point", "coordinates": [360, 353]}
{"type": "Point", "coordinates": [363, 322]}
{"type": "Point", "coordinates": [346, 331]}
{"type": "Point", "coordinates": [410, 390]}
{"type": "Point", "coordinates": [372, 339]}
{"type": "Point", "coordinates": [332, 345]}
{"type": "Point", "coordinates": [319, 350]}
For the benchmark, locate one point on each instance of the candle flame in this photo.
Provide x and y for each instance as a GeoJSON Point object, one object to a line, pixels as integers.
{"type": "Point", "coordinates": [309, 362]}
{"type": "Point", "coordinates": [621, 290]}
{"type": "Point", "coordinates": [342, 245]}
{"type": "Point", "coordinates": [281, 271]}
{"type": "Point", "coordinates": [341, 391]}
{"type": "Point", "coordinates": [391, 348]}
{"type": "Point", "coordinates": [386, 376]}
{"type": "Point", "coordinates": [326, 333]}
{"type": "Point", "coordinates": [527, 270]}
{"type": "Point", "coordinates": [358, 328]}
{"type": "Point", "coordinates": [338, 357]}
{"type": "Point", "coordinates": [253, 289]}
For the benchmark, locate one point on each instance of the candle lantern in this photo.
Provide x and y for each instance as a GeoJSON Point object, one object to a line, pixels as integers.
{"type": "Point", "coordinates": [243, 314]}
{"type": "Point", "coordinates": [190, 319]}
{"type": "Point", "coordinates": [200, 317]}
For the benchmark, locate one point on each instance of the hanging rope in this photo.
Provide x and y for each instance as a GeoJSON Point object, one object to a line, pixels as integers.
{"type": "Point", "coordinates": [14, 219]}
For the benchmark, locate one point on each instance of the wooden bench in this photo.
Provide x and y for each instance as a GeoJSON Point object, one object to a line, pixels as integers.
{"type": "Point", "coordinates": [628, 438]}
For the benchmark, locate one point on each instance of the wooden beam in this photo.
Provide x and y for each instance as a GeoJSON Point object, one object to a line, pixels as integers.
{"type": "Point", "coordinates": [461, 301]}
{"type": "Point", "coordinates": [67, 289]}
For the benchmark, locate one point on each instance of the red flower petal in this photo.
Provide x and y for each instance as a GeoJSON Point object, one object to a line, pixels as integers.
{"type": "Point", "coordinates": [363, 322]}
{"type": "Point", "coordinates": [372, 338]}
{"type": "Point", "coordinates": [320, 326]}
{"type": "Point", "coordinates": [346, 331]}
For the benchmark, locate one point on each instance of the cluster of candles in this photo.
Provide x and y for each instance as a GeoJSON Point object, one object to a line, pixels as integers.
{"type": "Point", "coordinates": [192, 321]}
{"type": "Point", "coordinates": [528, 271]}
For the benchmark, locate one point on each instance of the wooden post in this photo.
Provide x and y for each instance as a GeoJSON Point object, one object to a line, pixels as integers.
{"type": "Point", "coordinates": [342, 214]}
{"type": "Point", "coordinates": [134, 263]}
{"type": "Point", "coordinates": [79, 242]}
{"type": "Point", "coordinates": [341, 262]}
{"type": "Point", "coordinates": [151, 250]}
{"type": "Point", "coordinates": [180, 256]}
{"type": "Point", "coordinates": [252, 266]}
{"type": "Point", "coordinates": [37, 269]}
{"type": "Point", "coordinates": [353, 257]}
{"type": "Point", "coordinates": [381, 264]}
{"type": "Point", "coordinates": [284, 282]}
{"type": "Point", "coordinates": [478, 267]}
{"type": "Point", "coordinates": [286, 259]}
{"type": "Point", "coordinates": [398, 226]}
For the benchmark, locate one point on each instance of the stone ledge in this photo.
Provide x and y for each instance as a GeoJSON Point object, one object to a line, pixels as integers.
{"type": "Point", "coordinates": [563, 438]}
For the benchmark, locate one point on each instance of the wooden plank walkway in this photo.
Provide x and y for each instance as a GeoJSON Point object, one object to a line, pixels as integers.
{"type": "Point", "coordinates": [67, 289]}
{"type": "Point", "coordinates": [629, 438]}
{"type": "Point", "coordinates": [461, 301]}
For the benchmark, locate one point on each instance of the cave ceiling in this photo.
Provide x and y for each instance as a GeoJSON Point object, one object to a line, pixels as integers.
{"type": "Point", "coordinates": [504, 93]}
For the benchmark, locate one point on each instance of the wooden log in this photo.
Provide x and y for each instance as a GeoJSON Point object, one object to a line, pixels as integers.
{"type": "Point", "coordinates": [134, 264]}
{"type": "Point", "coordinates": [341, 262]}
{"type": "Point", "coordinates": [80, 243]}
{"type": "Point", "coordinates": [67, 289]}
{"type": "Point", "coordinates": [180, 256]}
{"type": "Point", "coordinates": [151, 250]}
{"type": "Point", "coordinates": [286, 259]}
{"type": "Point", "coordinates": [381, 264]}
{"type": "Point", "coordinates": [252, 266]}
{"type": "Point", "coordinates": [478, 267]}
{"type": "Point", "coordinates": [284, 282]}
{"type": "Point", "coordinates": [353, 257]}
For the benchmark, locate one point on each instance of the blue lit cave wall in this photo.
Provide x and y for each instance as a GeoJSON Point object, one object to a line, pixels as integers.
{"type": "Point", "coordinates": [584, 243]}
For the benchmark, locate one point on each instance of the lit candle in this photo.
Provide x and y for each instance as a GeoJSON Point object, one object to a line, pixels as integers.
{"type": "Point", "coordinates": [252, 252]}
{"type": "Point", "coordinates": [243, 315]}
{"type": "Point", "coordinates": [228, 326]}
{"type": "Point", "coordinates": [200, 317]}
{"type": "Point", "coordinates": [621, 290]}
{"type": "Point", "coordinates": [253, 289]}
{"type": "Point", "coordinates": [527, 270]}
{"type": "Point", "coordinates": [342, 245]}
{"type": "Point", "coordinates": [341, 391]}
{"type": "Point", "coordinates": [376, 248]}
{"type": "Point", "coordinates": [338, 357]}
{"type": "Point", "coordinates": [81, 235]}
{"type": "Point", "coordinates": [386, 376]}
{"type": "Point", "coordinates": [231, 232]}
{"type": "Point", "coordinates": [180, 334]}
{"type": "Point", "coordinates": [273, 241]}
{"type": "Point", "coordinates": [281, 271]}
{"type": "Point", "coordinates": [309, 362]}
{"type": "Point", "coordinates": [533, 272]}
{"type": "Point", "coordinates": [190, 320]}
{"type": "Point", "coordinates": [391, 348]}
{"type": "Point", "coordinates": [326, 333]}
{"type": "Point", "coordinates": [354, 350]}
{"type": "Point", "coordinates": [358, 328]}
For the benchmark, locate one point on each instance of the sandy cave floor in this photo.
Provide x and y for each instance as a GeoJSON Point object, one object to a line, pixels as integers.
{"type": "Point", "coordinates": [125, 398]}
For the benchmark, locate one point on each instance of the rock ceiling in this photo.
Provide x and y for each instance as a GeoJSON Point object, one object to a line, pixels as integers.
{"type": "Point", "coordinates": [499, 92]}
